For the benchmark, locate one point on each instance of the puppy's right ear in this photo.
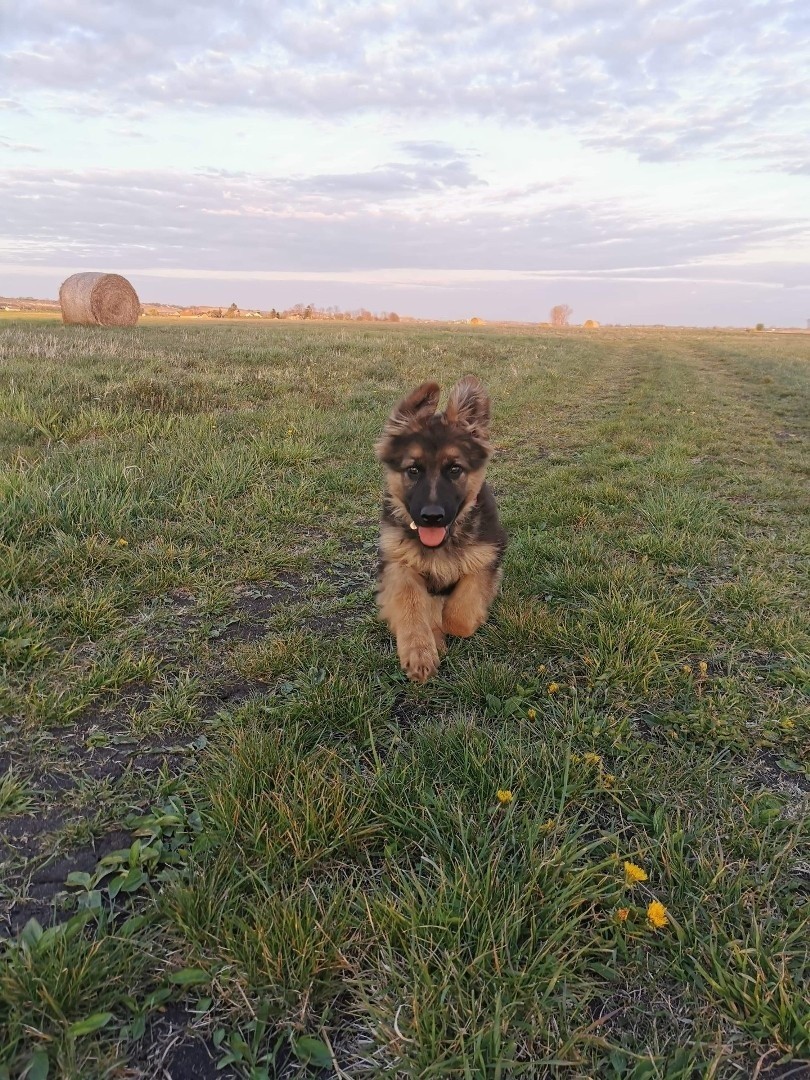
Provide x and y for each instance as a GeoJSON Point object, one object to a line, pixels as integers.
{"type": "Point", "coordinates": [413, 410]}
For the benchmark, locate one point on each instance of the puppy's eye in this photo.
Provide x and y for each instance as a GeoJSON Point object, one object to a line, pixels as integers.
{"type": "Point", "coordinates": [413, 471]}
{"type": "Point", "coordinates": [455, 471]}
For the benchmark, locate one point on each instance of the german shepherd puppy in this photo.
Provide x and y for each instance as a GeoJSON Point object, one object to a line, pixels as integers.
{"type": "Point", "coordinates": [441, 544]}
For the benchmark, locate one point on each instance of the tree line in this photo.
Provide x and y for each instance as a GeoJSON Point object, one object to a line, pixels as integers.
{"type": "Point", "coordinates": [306, 311]}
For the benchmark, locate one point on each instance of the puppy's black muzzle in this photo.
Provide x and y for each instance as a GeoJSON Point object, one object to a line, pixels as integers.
{"type": "Point", "coordinates": [432, 515]}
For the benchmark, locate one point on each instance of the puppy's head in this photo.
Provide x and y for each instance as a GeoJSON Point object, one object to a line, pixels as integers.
{"type": "Point", "coordinates": [435, 462]}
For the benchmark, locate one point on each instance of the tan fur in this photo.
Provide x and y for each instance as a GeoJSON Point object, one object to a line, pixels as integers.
{"type": "Point", "coordinates": [468, 406]}
{"type": "Point", "coordinates": [468, 605]}
{"type": "Point", "coordinates": [411, 411]}
{"type": "Point", "coordinates": [414, 618]}
{"type": "Point", "coordinates": [440, 568]}
{"type": "Point", "coordinates": [427, 592]}
{"type": "Point", "coordinates": [419, 620]}
{"type": "Point", "coordinates": [475, 481]}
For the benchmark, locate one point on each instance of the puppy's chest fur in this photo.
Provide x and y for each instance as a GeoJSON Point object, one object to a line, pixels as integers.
{"type": "Point", "coordinates": [476, 545]}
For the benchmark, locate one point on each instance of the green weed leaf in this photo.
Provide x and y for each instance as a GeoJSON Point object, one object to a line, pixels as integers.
{"type": "Point", "coordinates": [312, 1051]}
{"type": "Point", "coordinates": [91, 1024]}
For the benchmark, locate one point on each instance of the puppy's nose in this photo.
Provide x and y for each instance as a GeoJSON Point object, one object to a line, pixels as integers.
{"type": "Point", "coordinates": [432, 515]}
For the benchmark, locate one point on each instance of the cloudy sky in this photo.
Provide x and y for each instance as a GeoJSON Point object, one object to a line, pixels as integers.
{"type": "Point", "coordinates": [643, 161]}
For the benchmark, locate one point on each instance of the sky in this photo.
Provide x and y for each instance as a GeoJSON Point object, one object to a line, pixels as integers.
{"type": "Point", "coordinates": [641, 161]}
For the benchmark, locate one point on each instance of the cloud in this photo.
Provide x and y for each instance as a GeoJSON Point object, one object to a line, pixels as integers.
{"type": "Point", "coordinates": [497, 143]}
{"type": "Point", "coordinates": [663, 80]}
{"type": "Point", "coordinates": [18, 147]}
{"type": "Point", "coordinates": [391, 180]}
{"type": "Point", "coordinates": [216, 221]}
{"type": "Point", "coordinates": [429, 151]}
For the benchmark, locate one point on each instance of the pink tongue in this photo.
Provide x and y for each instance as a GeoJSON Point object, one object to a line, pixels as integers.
{"type": "Point", "coordinates": [432, 537]}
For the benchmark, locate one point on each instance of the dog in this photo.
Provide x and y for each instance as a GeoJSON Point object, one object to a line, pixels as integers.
{"type": "Point", "coordinates": [441, 543]}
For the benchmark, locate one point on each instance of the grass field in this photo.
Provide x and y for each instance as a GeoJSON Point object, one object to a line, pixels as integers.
{"type": "Point", "coordinates": [233, 834]}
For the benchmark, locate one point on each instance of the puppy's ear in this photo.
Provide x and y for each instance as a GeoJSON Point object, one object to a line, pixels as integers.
{"type": "Point", "coordinates": [412, 411]}
{"type": "Point", "coordinates": [468, 407]}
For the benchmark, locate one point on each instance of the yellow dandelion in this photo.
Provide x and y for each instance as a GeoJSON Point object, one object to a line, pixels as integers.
{"type": "Point", "coordinates": [686, 669]}
{"type": "Point", "coordinates": [592, 759]}
{"type": "Point", "coordinates": [609, 779]}
{"type": "Point", "coordinates": [121, 542]}
{"type": "Point", "coordinates": [542, 668]}
{"type": "Point", "coordinates": [504, 797]}
{"type": "Point", "coordinates": [553, 687]}
{"type": "Point", "coordinates": [633, 874]}
{"type": "Point", "coordinates": [622, 914]}
{"type": "Point", "coordinates": [532, 714]}
{"type": "Point", "coordinates": [657, 914]}
{"type": "Point", "coordinates": [703, 667]}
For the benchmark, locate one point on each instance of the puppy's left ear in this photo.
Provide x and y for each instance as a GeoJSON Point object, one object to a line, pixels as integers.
{"type": "Point", "coordinates": [468, 406]}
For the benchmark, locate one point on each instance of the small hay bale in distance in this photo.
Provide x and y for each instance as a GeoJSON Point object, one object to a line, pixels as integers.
{"type": "Point", "coordinates": [98, 300]}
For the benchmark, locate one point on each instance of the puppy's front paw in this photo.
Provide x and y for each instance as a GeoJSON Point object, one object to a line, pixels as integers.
{"type": "Point", "coordinates": [419, 662]}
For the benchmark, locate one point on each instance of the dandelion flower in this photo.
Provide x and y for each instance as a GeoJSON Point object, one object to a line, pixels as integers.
{"type": "Point", "coordinates": [657, 914]}
{"type": "Point", "coordinates": [121, 542]}
{"type": "Point", "coordinates": [686, 669]}
{"type": "Point", "coordinates": [622, 914]}
{"type": "Point", "coordinates": [532, 714]}
{"type": "Point", "coordinates": [541, 668]}
{"type": "Point", "coordinates": [504, 797]}
{"type": "Point", "coordinates": [553, 687]}
{"type": "Point", "coordinates": [548, 825]}
{"type": "Point", "coordinates": [633, 874]}
{"type": "Point", "coordinates": [592, 759]}
{"type": "Point", "coordinates": [703, 667]}
{"type": "Point", "coordinates": [609, 779]}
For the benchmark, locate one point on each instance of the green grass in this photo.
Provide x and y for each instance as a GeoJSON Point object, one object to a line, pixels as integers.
{"type": "Point", "coordinates": [314, 861]}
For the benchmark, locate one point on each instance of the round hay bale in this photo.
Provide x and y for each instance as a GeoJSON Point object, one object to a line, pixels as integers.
{"type": "Point", "coordinates": [98, 300]}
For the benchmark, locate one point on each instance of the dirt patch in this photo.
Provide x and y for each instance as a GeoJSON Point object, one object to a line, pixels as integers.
{"type": "Point", "coordinates": [256, 604]}
{"type": "Point", "coordinates": [20, 835]}
{"type": "Point", "coordinates": [175, 1049]}
{"type": "Point", "coordinates": [39, 894]}
{"type": "Point", "coordinates": [231, 696]}
{"type": "Point", "coordinates": [769, 773]}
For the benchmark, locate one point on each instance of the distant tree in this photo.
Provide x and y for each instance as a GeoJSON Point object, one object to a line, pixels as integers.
{"type": "Point", "coordinates": [393, 317]}
{"type": "Point", "coordinates": [308, 312]}
{"type": "Point", "coordinates": [560, 314]}
{"type": "Point", "coordinates": [760, 326]}
{"type": "Point", "coordinates": [232, 312]}
{"type": "Point", "coordinates": [216, 314]}
{"type": "Point", "coordinates": [590, 324]}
